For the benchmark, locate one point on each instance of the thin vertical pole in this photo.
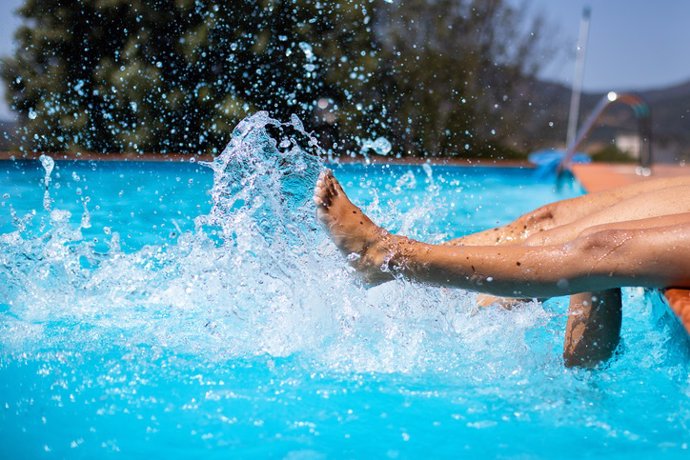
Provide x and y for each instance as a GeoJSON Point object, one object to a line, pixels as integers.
{"type": "Point", "coordinates": [579, 77]}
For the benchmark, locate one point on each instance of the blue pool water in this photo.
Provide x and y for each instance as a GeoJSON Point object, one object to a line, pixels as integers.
{"type": "Point", "coordinates": [175, 311]}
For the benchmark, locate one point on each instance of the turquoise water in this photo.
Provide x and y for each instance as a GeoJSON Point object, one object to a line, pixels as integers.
{"type": "Point", "coordinates": [172, 310]}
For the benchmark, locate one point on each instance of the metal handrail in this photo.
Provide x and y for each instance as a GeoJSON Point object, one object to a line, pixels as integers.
{"type": "Point", "coordinates": [642, 113]}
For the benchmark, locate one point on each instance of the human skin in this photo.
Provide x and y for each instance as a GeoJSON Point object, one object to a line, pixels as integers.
{"type": "Point", "coordinates": [567, 218]}
{"type": "Point", "coordinates": [609, 258]}
{"type": "Point", "coordinates": [645, 252]}
{"type": "Point", "coordinates": [592, 333]}
{"type": "Point", "coordinates": [594, 318]}
{"type": "Point", "coordinates": [564, 256]}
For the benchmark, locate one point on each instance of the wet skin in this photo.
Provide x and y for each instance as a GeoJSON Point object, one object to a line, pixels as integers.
{"type": "Point", "coordinates": [596, 243]}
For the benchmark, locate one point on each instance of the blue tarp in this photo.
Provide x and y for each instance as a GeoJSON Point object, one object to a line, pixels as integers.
{"type": "Point", "coordinates": [547, 161]}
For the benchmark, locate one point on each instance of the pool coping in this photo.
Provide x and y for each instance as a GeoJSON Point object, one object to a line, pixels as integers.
{"type": "Point", "coordinates": [596, 177]}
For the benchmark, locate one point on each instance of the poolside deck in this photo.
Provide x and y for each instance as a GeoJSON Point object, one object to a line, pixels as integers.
{"type": "Point", "coordinates": [596, 177]}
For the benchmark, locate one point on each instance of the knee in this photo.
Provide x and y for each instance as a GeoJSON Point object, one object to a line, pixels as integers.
{"type": "Point", "coordinates": [536, 222]}
{"type": "Point", "coordinates": [541, 216]}
{"type": "Point", "coordinates": [597, 241]}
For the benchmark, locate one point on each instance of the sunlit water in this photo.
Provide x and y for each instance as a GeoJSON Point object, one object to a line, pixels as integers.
{"type": "Point", "coordinates": [182, 311]}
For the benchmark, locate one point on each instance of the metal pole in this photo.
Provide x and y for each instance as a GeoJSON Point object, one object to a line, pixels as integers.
{"type": "Point", "coordinates": [579, 76]}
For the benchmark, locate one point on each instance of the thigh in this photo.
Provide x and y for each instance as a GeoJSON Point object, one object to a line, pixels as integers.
{"type": "Point", "coordinates": [635, 253]}
{"type": "Point", "coordinates": [566, 212]}
{"type": "Point", "coordinates": [649, 192]}
{"type": "Point", "coordinates": [668, 205]}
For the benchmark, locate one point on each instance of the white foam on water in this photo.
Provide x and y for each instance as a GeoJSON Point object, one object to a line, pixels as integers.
{"type": "Point", "coordinates": [254, 319]}
{"type": "Point", "coordinates": [256, 277]}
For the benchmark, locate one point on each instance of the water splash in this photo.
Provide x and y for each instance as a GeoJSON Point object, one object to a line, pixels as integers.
{"type": "Point", "coordinates": [380, 146]}
{"type": "Point", "coordinates": [256, 276]}
{"type": "Point", "coordinates": [86, 215]}
{"type": "Point", "coordinates": [253, 316]}
{"type": "Point", "coordinates": [48, 164]}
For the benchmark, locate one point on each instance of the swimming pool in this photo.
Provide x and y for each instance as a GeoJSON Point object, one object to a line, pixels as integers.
{"type": "Point", "coordinates": [167, 309]}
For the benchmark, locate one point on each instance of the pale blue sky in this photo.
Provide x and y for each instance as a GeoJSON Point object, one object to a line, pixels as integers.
{"type": "Point", "coordinates": [633, 44]}
{"type": "Point", "coordinates": [8, 24]}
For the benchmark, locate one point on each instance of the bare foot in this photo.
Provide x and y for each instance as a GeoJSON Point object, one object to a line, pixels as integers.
{"type": "Point", "coordinates": [367, 246]}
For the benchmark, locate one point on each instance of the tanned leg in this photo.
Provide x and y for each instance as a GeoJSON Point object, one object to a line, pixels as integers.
{"type": "Point", "coordinates": [653, 204]}
{"type": "Point", "coordinates": [594, 318]}
{"type": "Point", "coordinates": [565, 212]}
{"type": "Point", "coordinates": [641, 252]}
{"type": "Point", "coordinates": [610, 258]}
{"type": "Point", "coordinates": [565, 220]}
{"type": "Point", "coordinates": [592, 333]}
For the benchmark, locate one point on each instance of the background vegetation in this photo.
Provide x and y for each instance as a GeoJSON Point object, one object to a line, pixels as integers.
{"type": "Point", "coordinates": [437, 77]}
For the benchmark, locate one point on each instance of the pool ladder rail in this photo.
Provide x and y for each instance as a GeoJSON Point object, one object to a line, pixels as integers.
{"type": "Point", "coordinates": [643, 115]}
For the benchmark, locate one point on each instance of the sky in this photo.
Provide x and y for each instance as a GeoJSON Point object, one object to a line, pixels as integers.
{"type": "Point", "coordinates": [633, 44]}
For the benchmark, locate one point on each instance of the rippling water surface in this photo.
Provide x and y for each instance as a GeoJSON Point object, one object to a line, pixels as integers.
{"type": "Point", "coordinates": [185, 310]}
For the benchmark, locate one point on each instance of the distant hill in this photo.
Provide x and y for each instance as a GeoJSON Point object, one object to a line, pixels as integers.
{"type": "Point", "coordinates": [547, 124]}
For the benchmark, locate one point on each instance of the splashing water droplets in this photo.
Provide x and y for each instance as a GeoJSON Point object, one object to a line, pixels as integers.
{"type": "Point", "coordinates": [254, 277]}
{"type": "Point", "coordinates": [380, 146]}
{"type": "Point", "coordinates": [48, 164]}
{"type": "Point", "coordinates": [86, 216]}
{"type": "Point", "coordinates": [296, 123]}
{"type": "Point", "coordinates": [307, 50]}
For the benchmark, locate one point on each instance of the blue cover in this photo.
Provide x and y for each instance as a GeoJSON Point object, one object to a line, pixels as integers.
{"type": "Point", "coordinates": [547, 161]}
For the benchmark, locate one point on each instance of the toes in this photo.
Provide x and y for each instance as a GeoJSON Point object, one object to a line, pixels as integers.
{"type": "Point", "coordinates": [338, 187]}
{"type": "Point", "coordinates": [335, 185]}
{"type": "Point", "coordinates": [327, 188]}
{"type": "Point", "coordinates": [322, 200]}
{"type": "Point", "coordinates": [321, 195]}
{"type": "Point", "coordinates": [331, 188]}
{"type": "Point", "coordinates": [324, 189]}
{"type": "Point", "coordinates": [331, 183]}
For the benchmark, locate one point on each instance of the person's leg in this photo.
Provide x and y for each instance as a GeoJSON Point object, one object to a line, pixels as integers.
{"type": "Point", "coordinates": [653, 204]}
{"type": "Point", "coordinates": [592, 333]}
{"type": "Point", "coordinates": [566, 212]}
{"type": "Point", "coordinates": [565, 220]}
{"type": "Point", "coordinates": [610, 258]}
{"type": "Point", "coordinates": [593, 328]}
{"type": "Point", "coordinates": [594, 318]}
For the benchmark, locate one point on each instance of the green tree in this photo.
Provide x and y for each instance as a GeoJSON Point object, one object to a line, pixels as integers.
{"type": "Point", "coordinates": [455, 70]}
{"type": "Point", "coordinates": [435, 76]}
{"type": "Point", "coordinates": [176, 75]}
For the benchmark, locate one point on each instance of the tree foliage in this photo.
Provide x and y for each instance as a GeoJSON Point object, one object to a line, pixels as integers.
{"type": "Point", "coordinates": [455, 72]}
{"type": "Point", "coordinates": [434, 76]}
